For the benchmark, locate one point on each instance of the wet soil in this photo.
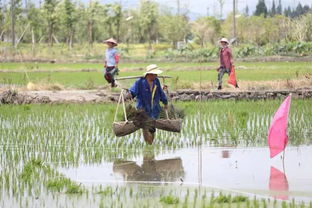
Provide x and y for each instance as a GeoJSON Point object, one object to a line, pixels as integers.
{"type": "Point", "coordinates": [105, 96]}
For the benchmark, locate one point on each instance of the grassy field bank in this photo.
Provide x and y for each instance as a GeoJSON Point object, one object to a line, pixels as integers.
{"type": "Point", "coordinates": [186, 75]}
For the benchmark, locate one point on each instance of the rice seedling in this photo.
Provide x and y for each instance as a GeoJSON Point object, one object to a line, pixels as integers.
{"type": "Point", "coordinates": [169, 199]}
{"type": "Point", "coordinates": [37, 140]}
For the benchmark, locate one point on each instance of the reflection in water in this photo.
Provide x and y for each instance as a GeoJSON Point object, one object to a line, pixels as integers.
{"type": "Point", "coordinates": [245, 169]}
{"type": "Point", "coordinates": [168, 170]}
{"type": "Point", "coordinates": [278, 184]}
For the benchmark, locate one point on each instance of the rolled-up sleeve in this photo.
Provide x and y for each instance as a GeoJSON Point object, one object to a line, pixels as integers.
{"type": "Point", "coordinates": [229, 51]}
{"type": "Point", "coordinates": [163, 97]}
{"type": "Point", "coordinates": [134, 89]}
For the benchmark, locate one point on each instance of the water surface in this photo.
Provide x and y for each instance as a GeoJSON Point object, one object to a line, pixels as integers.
{"type": "Point", "coordinates": [242, 170]}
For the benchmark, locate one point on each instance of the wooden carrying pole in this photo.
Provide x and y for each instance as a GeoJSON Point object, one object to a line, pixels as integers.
{"type": "Point", "coordinates": [137, 77]}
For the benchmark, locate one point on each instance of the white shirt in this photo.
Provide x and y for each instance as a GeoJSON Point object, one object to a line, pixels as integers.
{"type": "Point", "coordinates": [110, 54]}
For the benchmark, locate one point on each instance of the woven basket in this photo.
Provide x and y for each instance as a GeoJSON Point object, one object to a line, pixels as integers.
{"type": "Point", "coordinates": [173, 125]}
{"type": "Point", "coordinates": [124, 128]}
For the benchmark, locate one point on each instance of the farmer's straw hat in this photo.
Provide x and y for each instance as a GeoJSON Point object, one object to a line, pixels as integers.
{"type": "Point", "coordinates": [152, 69]}
{"type": "Point", "coordinates": [111, 40]}
{"type": "Point", "coordinates": [224, 40]}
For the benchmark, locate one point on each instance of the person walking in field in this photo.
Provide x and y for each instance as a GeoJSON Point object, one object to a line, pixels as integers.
{"type": "Point", "coordinates": [149, 93]}
{"type": "Point", "coordinates": [226, 61]}
{"type": "Point", "coordinates": [111, 61]}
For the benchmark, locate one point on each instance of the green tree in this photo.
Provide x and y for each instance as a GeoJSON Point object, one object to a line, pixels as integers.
{"type": "Point", "coordinates": [299, 10]}
{"type": "Point", "coordinates": [69, 20]}
{"type": "Point", "coordinates": [306, 9]}
{"type": "Point", "coordinates": [174, 28]}
{"type": "Point", "coordinates": [260, 30]}
{"type": "Point", "coordinates": [35, 20]}
{"type": "Point", "coordinates": [206, 29]}
{"type": "Point", "coordinates": [2, 11]}
{"type": "Point", "coordinates": [273, 9]}
{"type": "Point", "coordinates": [131, 27]}
{"type": "Point", "coordinates": [113, 19]}
{"type": "Point", "coordinates": [148, 20]}
{"type": "Point", "coordinates": [261, 9]}
{"type": "Point", "coordinates": [302, 28]}
{"type": "Point", "coordinates": [288, 12]}
{"type": "Point", "coordinates": [51, 18]}
{"type": "Point", "coordinates": [93, 12]}
{"type": "Point", "coordinates": [15, 12]}
{"type": "Point", "coordinates": [81, 29]}
{"type": "Point", "coordinates": [246, 11]}
{"type": "Point", "coordinates": [221, 3]}
{"type": "Point", "coordinates": [279, 9]}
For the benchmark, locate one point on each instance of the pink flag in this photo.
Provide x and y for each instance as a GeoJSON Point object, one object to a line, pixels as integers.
{"type": "Point", "coordinates": [277, 137]}
{"type": "Point", "coordinates": [278, 184]}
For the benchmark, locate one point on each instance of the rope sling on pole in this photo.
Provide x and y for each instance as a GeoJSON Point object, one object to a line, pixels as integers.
{"type": "Point", "coordinates": [126, 127]}
{"type": "Point", "coordinates": [123, 128]}
{"type": "Point", "coordinates": [121, 98]}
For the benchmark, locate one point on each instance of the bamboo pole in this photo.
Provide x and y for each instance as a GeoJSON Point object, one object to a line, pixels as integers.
{"type": "Point", "coordinates": [137, 77]}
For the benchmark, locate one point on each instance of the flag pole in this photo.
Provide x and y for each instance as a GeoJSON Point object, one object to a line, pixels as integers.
{"type": "Point", "coordinates": [284, 161]}
{"type": "Point", "coordinates": [290, 94]}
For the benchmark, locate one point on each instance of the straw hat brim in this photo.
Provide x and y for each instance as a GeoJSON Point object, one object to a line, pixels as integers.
{"type": "Point", "coordinates": [223, 40]}
{"type": "Point", "coordinates": [111, 41]}
{"type": "Point", "coordinates": [154, 71]}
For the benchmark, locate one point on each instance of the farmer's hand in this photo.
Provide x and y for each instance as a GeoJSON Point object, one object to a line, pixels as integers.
{"type": "Point", "coordinates": [127, 95]}
{"type": "Point", "coordinates": [218, 69]}
{"type": "Point", "coordinates": [165, 87]}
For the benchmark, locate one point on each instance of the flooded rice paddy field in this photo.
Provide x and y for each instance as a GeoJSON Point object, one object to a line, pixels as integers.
{"type": "Point", "coordinates": [67, 156]}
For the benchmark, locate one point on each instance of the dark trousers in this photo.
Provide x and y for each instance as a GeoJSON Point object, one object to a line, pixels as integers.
{"type": "Point", "coordinates": [110, 73]}
{"type": "Point", "coordinates": [222, 71]}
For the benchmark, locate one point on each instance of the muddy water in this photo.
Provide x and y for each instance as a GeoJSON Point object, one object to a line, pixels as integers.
{"type": "Point", "coordinates": [243, 170]}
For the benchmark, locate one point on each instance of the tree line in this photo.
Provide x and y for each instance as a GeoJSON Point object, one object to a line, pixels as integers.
{"type": "Point", "coordinates": [277, 9]}
{"type": "Point", "coordinates": [72, 22]}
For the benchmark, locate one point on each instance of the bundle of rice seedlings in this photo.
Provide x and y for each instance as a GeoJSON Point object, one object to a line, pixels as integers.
{"type": "Point", "coordinates": [141, 119]}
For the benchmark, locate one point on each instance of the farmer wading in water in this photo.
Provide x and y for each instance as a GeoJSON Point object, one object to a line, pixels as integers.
{"type": "Point", "coordinates": [226, 61]}
{"type": "Point", "coordinates": [149, 93]}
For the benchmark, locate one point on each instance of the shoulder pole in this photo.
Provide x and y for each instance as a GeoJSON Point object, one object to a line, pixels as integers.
{"type": "Point", "coordinates": [137, 77]}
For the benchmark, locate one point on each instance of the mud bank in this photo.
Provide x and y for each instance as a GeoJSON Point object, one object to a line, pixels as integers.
{"type": "Point", "coordinates": [64, 96]}
{"type": "Point", "coordinates": [102, 96]}
{"type": "Point", "coordinates": [191, 95]}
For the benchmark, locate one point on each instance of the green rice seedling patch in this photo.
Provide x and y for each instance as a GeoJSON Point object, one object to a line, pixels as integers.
{"type": "Point", "coordinates": [39, 143]}
{"type": "Point", "coordinates": [169, 199]}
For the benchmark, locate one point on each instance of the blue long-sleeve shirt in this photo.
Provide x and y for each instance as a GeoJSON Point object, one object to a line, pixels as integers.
{"type": "Point", "coordinates": [145, 98]}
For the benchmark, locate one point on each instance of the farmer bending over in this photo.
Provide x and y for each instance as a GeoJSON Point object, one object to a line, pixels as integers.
{"type": "Point", "coordinates": [111, 61]}
{"type": "Point", "coordinates": [226, 61]}
{"type": "Point", "coordinates": [148, 93]}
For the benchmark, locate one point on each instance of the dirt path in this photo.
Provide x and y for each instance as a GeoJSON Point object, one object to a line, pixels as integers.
{"type": "Point", "coordinates": [75, 96]}
{"type": "Point", "coordinates": [105, 96]}
{"type": "Point", "coordinates": [64, 96]}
